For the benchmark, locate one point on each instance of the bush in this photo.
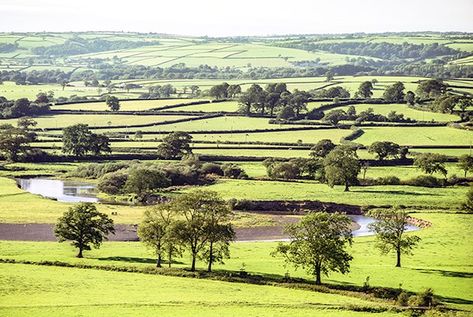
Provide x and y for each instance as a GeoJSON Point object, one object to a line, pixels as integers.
{"type": "Point", "coordinates": [212, 168]}
{"type": "Point", "coordinates": [144, 179]}
{"type": "Point", "coordinates": [425, 181]}
{"type": "Point", "coordinates": [97, 170]}
{"type": "Point", "coordinates": [233, 171]}
{"type": "Point", "coordinates": [424, 299]}
{"type": "Point", "coordinates": [112, 183]}
{"type": "Point", "coordinates": [402, 299]}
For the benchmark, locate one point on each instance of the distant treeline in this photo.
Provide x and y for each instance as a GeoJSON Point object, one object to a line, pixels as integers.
{"type": "Point", "coordinates": [8, 47]}
{"type": "Point", "coordinates": [382, 50]}
{"type": "Point", "coordinates": [79, 45]}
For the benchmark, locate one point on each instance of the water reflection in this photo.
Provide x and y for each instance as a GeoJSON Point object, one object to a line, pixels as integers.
{"type": "Point", "coordinates": [65, 191]}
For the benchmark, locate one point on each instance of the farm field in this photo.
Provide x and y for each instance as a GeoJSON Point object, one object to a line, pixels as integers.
{"type": "Point", "coordinates": [416, 135]}
{"type": "Point", "coordinates": [448, 270]}
{"type": "Point", "coordinates": [251, 177]}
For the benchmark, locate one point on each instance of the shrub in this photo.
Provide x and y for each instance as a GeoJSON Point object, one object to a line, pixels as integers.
{"type": "Point", "coordinates": [112, 183]}
{"type": "Point", "coordinates": [425, 181]}
{"type": "Point", "coordinates": [402, 299]}
{"type": "Point", "coordinates": [212, 168]}
{"type": "Point", "coordinates": [144, 179]}
{"type": "Point", "coordinates": [424, 299]}
{"type": "Point", "coordinates": [233, 171]}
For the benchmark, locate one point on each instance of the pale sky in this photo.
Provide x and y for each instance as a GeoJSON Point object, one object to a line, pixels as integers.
{"type": "Point", "coordinates": [239, 17]}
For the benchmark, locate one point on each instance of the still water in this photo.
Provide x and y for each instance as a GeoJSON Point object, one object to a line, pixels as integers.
{"type": "Point", "coordinates": [65, 191]}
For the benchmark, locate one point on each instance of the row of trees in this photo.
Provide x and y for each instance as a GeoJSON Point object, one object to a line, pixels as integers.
{"type": "Point", "coordinates": [23, 107]}
{"type": "Point", "coordinates": [199, 224]}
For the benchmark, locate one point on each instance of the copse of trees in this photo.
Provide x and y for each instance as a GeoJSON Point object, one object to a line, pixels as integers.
{"type": "Point", "coordinates": [335, 116]}
{"type": "Point", "coordinates": [446, 103]}
{"type": "Point", "coordinates": [465, 163]}
{"type": "Point", "coordinates": [224, 91]}
{"type": "Point", "coordinates": [394, 93]}
{"type": "Point", "coordinates": [15, 141]}
{"type": "Point", "coordinates": [365, 90]}
{"type": "Point", "coordinates": [390, 229]}
{"type": "Point", "coordinates": [22, 107]}
{"type": "Point", "coordinates": [332, 92]}
{"type": "Point", "coordinates": [79, 141]}
{"type": "Point", "coordinates": [318, 244]}
{"type": "Point", "coordinates": [84, 226]}
{"type": "Point", "coordinates": [431, 88]}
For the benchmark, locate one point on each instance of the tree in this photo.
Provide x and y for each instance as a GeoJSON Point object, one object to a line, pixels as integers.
{"type": "Point", "coordinates": [175, 145]}
{"type": "Point", "coordinates": [329, 76]}
{"type": "Point", "coordinates": [341, 166]}
{"type": "Point", "coordinates": [202, 212]}
{"type": "Point", "coordinates": [394, 93]}
{"type": "Point", "coordinates": [219, 91]}
{"type": "Point", "coordinates": [298, 101]}
{"type": "Point", "coordinates": [384, 149]}
{"type": "Point", "coordinates": [322, 148]}
{"type": "Point", "coordinates": [113, 103]}
{"type": "Point", "coordinates": [365, 90]}
{"type": "Point", "coordinates": [79, 141]}
{"type": "Point", "coordinates": [431, 163]}
{"type": "Point", "coordinates": [233, 91]}
{"type": "Point", "coordinates": [389, 229]}
{"type": "Point", "coordinates": [465, 162]}
{"type": "Point", "coordinates": [83, 225]}
{"type": "Point", "coordinates": [410, 98]}
{"type": "Point", "coordinates": [318, 244]}
{"type": "Point", "coordinates": [156, 231]}
{"type": "Point", "coordinates": [335, 116]}
{"type": "Point", "coordinates": [15, 141]}
{"type": "Point", "coordinates": [431, 88]}
{"type": "Point", "coordinates": [142, 180]}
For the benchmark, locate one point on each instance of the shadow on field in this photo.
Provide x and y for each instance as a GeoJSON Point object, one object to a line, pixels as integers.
{"type": "Point", "coordinates": [134, 260]}
{"type": "Point", "coordinates": [446, 273]}
{"type": "Point", "coordinates": [395, 192]}
{"type": "Point", "coordinates": [10, 195]}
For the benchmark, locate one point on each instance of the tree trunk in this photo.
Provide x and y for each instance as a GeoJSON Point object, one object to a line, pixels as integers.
{"type": "Point", "coordinates": [79, 255]}
{"type": "Point", "coordinates": [318, 280]}
{"type": "Point", "coordinates": [398, 258]}
{"type": "Point", "coordinates": [158, 260]}
{"type": "Point", "coordinates": [169, 257]}
{"type": "Point", "coordinates": [347, 188]}
{"type": "Point", "coordinates": [193, 262]}
{"type": "Point", "coordinates": [211, 257]}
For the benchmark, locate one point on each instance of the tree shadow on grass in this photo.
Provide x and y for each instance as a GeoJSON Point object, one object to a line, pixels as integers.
{"type": "Point", "coordinates": [446, 273]}
{"type": "Point", "coordinates": [394, 192]}
{"type": "Point", "coordinates": [135, 260]}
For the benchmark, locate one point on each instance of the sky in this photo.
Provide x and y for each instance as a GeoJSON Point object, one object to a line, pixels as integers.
{"type": "Point", "coordinates": [241, 17]}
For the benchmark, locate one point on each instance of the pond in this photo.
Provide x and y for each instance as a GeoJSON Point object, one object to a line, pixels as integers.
{"type": "Point", "coordinates": [364, 221]}
{"type": "Point", "coordinates": [64, 191]}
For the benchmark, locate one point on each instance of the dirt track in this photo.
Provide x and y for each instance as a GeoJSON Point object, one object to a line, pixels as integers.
{"type": "Point", "coordinates": [44, 232]}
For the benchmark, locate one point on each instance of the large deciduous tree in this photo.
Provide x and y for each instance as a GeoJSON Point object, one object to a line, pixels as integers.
{"type": "Point", "coordinates": [15, 141]}
{"type": "Point", "coordinates": [465, 162]}
{"type": "Point", "coordinates": [365, 90]}
{"type": "Point", "coordinates": [84, 226]}
{"type": "Point", "coordinates": [341, 166]}
{"type": "Point", "coordinates": [156, 231]}
{"type": "Point", "coordinates": [390, 229]}
{"type": "Point", "coordinates": [78, 140]}
{"type": "Point", "coordinates": [431, 163]}
{"type": "Point", "coordinates": [384, 149]}
{"type": "Point", "coordinates": [175, 145]}
{"type": "Point", "coordinates": [318, 244]}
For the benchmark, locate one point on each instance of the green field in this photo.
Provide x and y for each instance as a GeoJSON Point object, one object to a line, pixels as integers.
{"type": "Point", "coordinates": [416, 135]}
{"type": "Point", "coordinates": [406, 111]}
{"type": "Point", "coordinates": [442, 262]}
{"type": "Point", "coordinates": [135, 105]}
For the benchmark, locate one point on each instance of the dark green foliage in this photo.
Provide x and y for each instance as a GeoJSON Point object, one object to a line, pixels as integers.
{"type": "Point", "coordinates": [318, 244]}
{"type": "Point", "coordinates": [233, 171]}
{"type": "Point", "coordinates": [468, 204]}
{"type": "Point", "coordinates": [465, 163]}
{"type": "Point", "coordinates": [431, 163]}
{"type": "Point", "coordinates": [142, 180]}
{"type": "Point", "coordinates": [84, 226]}
{"type": "Point", "coordinates": [22, 107]}
{"type": "Point", "coordinates": [322, 148]}
{"type": "Point", "coordinates": [394, 93]}
{"type": "Point", "coordinates": [365, 90]}
{"type": "Point", "coordinates": [112, 183]}
{"type": "Point", "coordinates": [113, 103]}
{"type": "Point", "coordinates": [384, 149]}
{"type": "Point", "coordinates": [15, 141]}
{"type": "Point", "coordinates": [431, 88]}
{"type": "Point", "coordinates": [341, 166]}
{"type": "Point", "coordinates": [78, 140]}
{"type": "Point", "coordinates": [175, 145]}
